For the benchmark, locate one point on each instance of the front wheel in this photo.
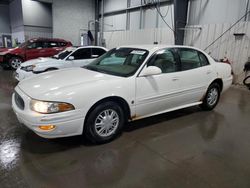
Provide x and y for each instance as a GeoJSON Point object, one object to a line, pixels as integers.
{"type": "Point", "coordinates": [212, 97]}
{"type": "Point", "coordinates": [15, 62]}
{"type": "Point", "coordinates": [104, 122]}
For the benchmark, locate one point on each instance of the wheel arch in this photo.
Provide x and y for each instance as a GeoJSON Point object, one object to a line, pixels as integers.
{"type": "Point", "coordinates": [9, 56]}
{"type": "Point", "coordinates": [119, 100]}
{"type": "Point", "coordinates": [218, 81]}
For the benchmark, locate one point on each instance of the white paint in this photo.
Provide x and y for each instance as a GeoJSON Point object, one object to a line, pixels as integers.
{"type": "Point", "coordinates": [70, 18]}
{"type": "Point", "coordinates": [215, 11]}
{"type": "Point", "coordinates": [143, 36]}
{"type": "Point", "coordinates": [82, 88]}
{"type": "Point", "coordinates": [42, 64]}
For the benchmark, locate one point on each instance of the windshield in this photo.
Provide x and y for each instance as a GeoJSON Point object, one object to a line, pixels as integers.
{"type": "Point", "coordinates": [120, 61]}
{"type": "Point", "coordinates": [62, 55]}
{"type": "Point", "coordinates": [22, 45]}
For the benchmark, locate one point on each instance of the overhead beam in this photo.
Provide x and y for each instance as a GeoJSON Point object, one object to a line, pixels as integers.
{"type": "Point", "coordinates": [180, 17]}
{"type": "Point", "coordinates": [136, 8]}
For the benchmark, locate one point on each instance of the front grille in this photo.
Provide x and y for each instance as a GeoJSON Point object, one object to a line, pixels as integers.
{"type": "Point", "coordinates": [19, 101]}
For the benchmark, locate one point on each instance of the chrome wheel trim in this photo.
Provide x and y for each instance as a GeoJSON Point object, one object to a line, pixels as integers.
{"type": "Point", "coordinates": [212, 96]}
{"type": "Point", "coordinates": [106, 123]}
{"type": "Point", "coordinates": [15, 63]}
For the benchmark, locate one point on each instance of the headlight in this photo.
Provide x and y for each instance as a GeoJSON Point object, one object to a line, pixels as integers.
{"type": "Point", "coordinates": [50, 107]}
{"type": "Point", "coordinates": [29, 68]}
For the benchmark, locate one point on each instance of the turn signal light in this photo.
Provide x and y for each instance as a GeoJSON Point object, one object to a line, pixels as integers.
{"type": "Point", "coordinates": [47, 127]}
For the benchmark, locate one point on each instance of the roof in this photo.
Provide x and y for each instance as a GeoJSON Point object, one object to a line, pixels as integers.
{"type": "Point", "coordinates": [51, 39]}
{"type": "Point", "coordinates": [155, 47]}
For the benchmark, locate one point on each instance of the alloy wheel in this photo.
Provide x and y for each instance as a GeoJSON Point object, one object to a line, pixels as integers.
{"type": "Point", "coordinates": [15, 63]}
{"type": "Point", "coordinates": [212, 96]}
{"type": "Point", "coordinates": [106, 123]}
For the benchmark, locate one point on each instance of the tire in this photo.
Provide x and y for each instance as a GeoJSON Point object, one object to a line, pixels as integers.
{"type": "Point", "coordinates": [15, 62]}
{"type": "Point", "coordinates": [212, 97]}
{"type": "Point", "coordinates": [97, 125]}
{"type": "Point", "coordinates": [246, 82]}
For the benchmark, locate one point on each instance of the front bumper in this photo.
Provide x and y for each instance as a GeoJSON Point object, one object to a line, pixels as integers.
{"type": "Point", "coordinates": [67, 123]}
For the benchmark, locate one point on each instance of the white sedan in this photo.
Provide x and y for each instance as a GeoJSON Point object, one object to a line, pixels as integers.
{"type": "Point", "coordinates": [71, 57]}
{"type": "Point", "coordinates": [125, 84]}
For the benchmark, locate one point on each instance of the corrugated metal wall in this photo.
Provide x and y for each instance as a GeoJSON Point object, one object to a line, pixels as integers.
{"type": "Point", "coordinates": [214, 17]}
{"type": "Point", "coordinates": [236, 49]}
{"type": "Point", "coordinates": [144, 36]}
{"type": "Point", "coordinates": [144, 26]}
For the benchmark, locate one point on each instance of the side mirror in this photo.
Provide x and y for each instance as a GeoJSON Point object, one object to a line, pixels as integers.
{"type": "Point", "coordinates": [94, 56]}
{"type": "Point", "coordinates": [71, 58]}
{"type": "Point", "coordinates": [56, 56]}
{"type": "Point", "coordinates": [150, 71]}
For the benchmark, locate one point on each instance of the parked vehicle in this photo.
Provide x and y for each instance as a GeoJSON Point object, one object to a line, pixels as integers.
{"type": "Point", "coordinates": [34, 48]}
{"type": "Point", "coordinates": [125, 84]}
{"type": "Point", "coordinates": [3, 49]}
{"type": "Point", "coordinates": [71, 57]}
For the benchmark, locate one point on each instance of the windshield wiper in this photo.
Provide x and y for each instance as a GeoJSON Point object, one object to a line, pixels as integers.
{"type": "Point", "coordinates": [90, 68]}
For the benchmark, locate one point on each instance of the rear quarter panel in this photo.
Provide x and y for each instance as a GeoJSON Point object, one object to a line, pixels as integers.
{"type": "Point", "coordinates": [224, 71]}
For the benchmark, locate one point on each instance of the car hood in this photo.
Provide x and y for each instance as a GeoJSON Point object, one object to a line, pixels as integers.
{"type": "Point", "coordinates": [38, 61]}
{"type": "Point", "coordinates": [9, 50]}
{"type": "Point", "coordinates": [57, 83]}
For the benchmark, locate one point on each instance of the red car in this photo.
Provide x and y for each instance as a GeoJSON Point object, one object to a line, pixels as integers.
{"type": "Point", "coordinates": [31, 49]}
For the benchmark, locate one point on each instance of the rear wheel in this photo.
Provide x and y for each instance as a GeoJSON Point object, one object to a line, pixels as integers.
{"type": "Point", "coordinates": [104, 122]}
{"type": "Point", "coordinates": [212, 97]}
{"type": "Point", "coordinates": [15, 62]}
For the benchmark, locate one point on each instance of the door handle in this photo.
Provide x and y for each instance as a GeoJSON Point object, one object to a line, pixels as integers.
{"type": "Point", "coordinates": [209, 72]}
{"type": "Point", "coordinates": [175, 79]}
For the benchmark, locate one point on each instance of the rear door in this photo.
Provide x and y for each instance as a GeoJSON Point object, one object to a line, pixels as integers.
{"type": "Point", "coordinates": [52, 48]}
{"type": "Point", "coordinates": [34, 50]}
{"type": "Point", "coordinates": [195, 75]}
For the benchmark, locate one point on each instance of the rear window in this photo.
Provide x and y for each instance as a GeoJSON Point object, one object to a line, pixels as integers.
{"type": "Point", "coordinates": [189, 59]}
{"type": "Point", "coordinates": [98, 51]}
{"type": "Point", "coordinates": [63, 43]}
{"type": "Point", "coordinates": [83, 53]}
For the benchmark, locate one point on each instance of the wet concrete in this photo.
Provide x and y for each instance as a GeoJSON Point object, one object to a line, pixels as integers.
{"type": "Point", "coordinates": [186, 148]}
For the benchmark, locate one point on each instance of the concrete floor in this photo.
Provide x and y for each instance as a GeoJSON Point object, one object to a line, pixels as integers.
{"type": "Point", "coordinates": [186, 148]}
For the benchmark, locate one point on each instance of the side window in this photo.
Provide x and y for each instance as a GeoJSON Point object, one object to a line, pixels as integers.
{"type": "Point", "coordinates": [82, 54]}
{"type": "Point", "coordinates": [96, 52]}
{"type": "Point", "coordinates": [189, 59]}
{"type": "Point", "coordinates": [35, 45]}
{"type": "Point", "coordinates": [203, 59]}
{"type": "Point", "coordinates": [62, 44]}
{"type": "Point", "coordinates": [165, 60]}
{"type": "Point", "coordinates": [52, 44]}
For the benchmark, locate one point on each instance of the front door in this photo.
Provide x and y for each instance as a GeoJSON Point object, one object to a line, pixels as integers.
{"type": "Point", "coordinates": [82, 57]}
{"type": "Point", "coordinates": [35, 50]}
{"type": "Point", "coordinates": [159, 93]}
